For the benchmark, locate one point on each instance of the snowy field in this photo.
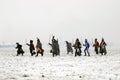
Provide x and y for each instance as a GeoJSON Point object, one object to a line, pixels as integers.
{"type": "Point", "coordinates": [64, 67]}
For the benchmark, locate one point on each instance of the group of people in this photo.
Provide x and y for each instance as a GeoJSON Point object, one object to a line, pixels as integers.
{"type": "Point", "coordinates": [77, 46]}
{"type": "Point", "coordinates": [99, 47]}
{"type": "Point", "coordinates": [55, 49]}
{"type": "Point", "coordinates": [39, 49]}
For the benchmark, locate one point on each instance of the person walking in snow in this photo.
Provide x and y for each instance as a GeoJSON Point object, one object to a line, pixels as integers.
{"type": "Point", "coordinates": [69, 47]}
{"type": "Point", "coordinates": [103, 50]}
{"type": "Point", "coordinates": [96, 45]}
{"type": "Point", "coordinates": [87, 45]}
{"type": "Point", "coordinates": [31, 47]}
{"type": "Point", "coordinates": [55, 47]}
{"type": "Point", "coordinates": [77, 47]}
{"type": "Point", "coordinates": [19, 49]}
{"type": "Point", "coordinates": [39, 47]}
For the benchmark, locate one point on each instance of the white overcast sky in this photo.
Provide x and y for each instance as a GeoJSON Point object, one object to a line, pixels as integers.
{"type": "Point", "coordinates": [22, 20]}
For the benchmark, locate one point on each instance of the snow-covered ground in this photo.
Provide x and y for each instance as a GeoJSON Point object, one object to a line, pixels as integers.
{"type": "Point", "coordinates": [64, 67]}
